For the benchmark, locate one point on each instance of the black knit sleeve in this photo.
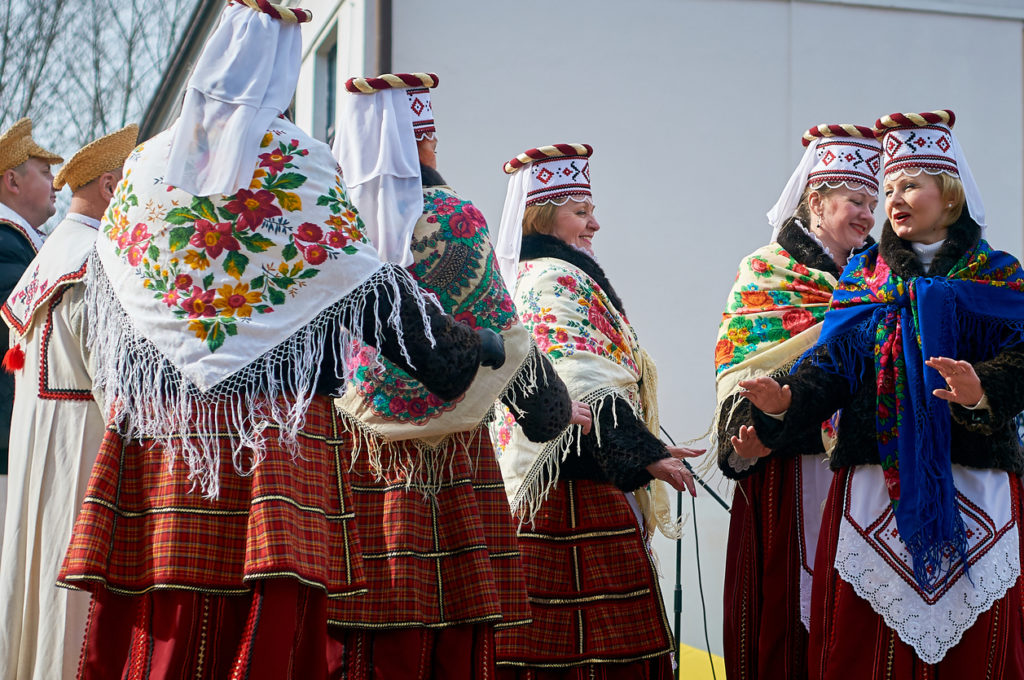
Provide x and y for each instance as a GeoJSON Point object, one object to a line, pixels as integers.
{"type": "Point", "coordinates": [627, 447]}
{"type": "Point", "coordinates": [446, 369]}
{"type": "Point", "coordinates": [545, 408]}
{"type": "Point", "coordinates": [737, 411]}
{"type": "Point", "coordinates": [817, 394]}
{"type": "Point", "coordinates": [1002, 378]}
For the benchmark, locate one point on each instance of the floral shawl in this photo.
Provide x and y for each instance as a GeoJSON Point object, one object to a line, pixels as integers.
{"type": "Point", "coordinates": [597, 354]}
{"type": "Point", "coordinates": [895, 324]}
{"type": "Point", "coordinates": [207, 305]}
{"type": "Point", "coordinates": [452, 258]}
{"type": "Point", "coordinates": [772, 316]}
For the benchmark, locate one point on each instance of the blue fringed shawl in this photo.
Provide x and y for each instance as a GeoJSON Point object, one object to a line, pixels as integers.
{"type": "Point", "coordinates": [973, 313]}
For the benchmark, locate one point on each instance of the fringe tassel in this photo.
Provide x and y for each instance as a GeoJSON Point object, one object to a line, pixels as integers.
{"type": "Point", "coordinates": [543, 476]}
{"type": "Point", "coordinates": [149, 398]}
{"type": "Point", "coordinates": [427, 466]}
{"type": "Point", "coordinates": [14, 359]}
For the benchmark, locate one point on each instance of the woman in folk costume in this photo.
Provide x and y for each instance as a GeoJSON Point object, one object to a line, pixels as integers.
{"type": "Point", "coordinates": [439, 548]}
{"type": "Point", "coordinates": [586, 502]}
{"type": "Point", "coordinates": [773, 314]}
{"type": "Point", "coordinates": [229, 280]}
{"type": "Point", "coordinates": [58, 425]}
{"type": "Point", "coordinates": [918, 564]}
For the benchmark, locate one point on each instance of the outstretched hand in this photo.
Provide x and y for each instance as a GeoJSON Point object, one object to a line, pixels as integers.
{"type": "Point", "coordinates": [674, 472]}
{"type": "Point", "coordinates": [747, 444]}
{"type": "Point", "coordinates": [767, 395]}
{"type": "Point", "coordinates": [963, 384]}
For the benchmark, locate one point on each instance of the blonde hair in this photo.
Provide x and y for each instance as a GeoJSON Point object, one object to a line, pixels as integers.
{"type": "Point", "coordinates": [539, 218]}
{"type": "Point", "coordinates": [952, 191]}
{"type": "Point", "coordinates": [803, 209]}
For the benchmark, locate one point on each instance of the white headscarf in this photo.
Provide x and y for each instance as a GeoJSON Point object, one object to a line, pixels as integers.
{"type": "Point", "coordinates": [380, 162]}
{"type": "Point", "coordinates": [509, 240]}
{"type": "Point", "coordinates": [790, 198]}
{"type": "Point", "coordinates": [244, 78]}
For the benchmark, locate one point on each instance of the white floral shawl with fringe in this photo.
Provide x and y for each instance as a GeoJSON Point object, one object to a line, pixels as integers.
{"type": "Point", "coordinates": [223, 304]}
{"type": "Point", "coordinates": [598, 355]}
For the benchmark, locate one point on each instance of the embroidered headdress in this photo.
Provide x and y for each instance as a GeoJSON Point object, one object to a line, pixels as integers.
{"type": "Point", "coordinates": [378, 129]}
{"type": "Point", "coordinates": [547, 174]}
{"type": "Point", "coordinates": [105, 154]}
{"type": "Point", "coordinates": [836, 155]}
{"type": "Point", "coordinates": [913, 143]}
{"type": "Point", "coordinates": [219, 309]}
{"type": "Point", "coordinates": [17, 146]}
{"type": "Point", "coordinates": [244, 79]}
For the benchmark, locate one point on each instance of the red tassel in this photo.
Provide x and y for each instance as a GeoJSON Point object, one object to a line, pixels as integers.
{"type": "Point", "coordinates": [14, 360]}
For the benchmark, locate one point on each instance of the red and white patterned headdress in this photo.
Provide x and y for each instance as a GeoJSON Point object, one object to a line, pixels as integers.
{"type": "Point", "coordinates": [556, 172]}
{"type": "Point", "coordinates": [547, 174]}
{"type": "Point", "coordinates": [913, 143]}
{"type": "Point", "coordinates": [836, 155]}
{"type": "Point", "coordinates": [378, 129]}
{"type": "Point", "coordinates": [417, 96]}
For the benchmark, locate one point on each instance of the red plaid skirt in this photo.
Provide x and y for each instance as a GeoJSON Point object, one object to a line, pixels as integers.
{"type": "Point", "coordinates": [142, 527]}
{"type": "Point", "coordinates": [763, 636]}
{"type": "Point", "coordinates": [849, 640]}
{"type": "Point", "coordinates": [592, 584]}
{"type": "Point", "coordinates": [434, 563]}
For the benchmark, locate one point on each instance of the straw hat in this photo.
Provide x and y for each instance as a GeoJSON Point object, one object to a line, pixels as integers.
{"type": "Point", "coordinates": [106, 154]}
{"type": "Point", "coordinates": [17, 146]}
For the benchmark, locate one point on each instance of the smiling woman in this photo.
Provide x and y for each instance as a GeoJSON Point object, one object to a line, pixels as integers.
{"type": "Point", "coordinates": [923, 350]}
{"type": "Point", "coordinates": [773, 313]}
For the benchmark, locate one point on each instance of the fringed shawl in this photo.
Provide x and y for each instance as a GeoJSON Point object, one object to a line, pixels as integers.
{"type": "Point", "coordinates": [597, 354]}
{"type": "Point", "coordinates": [773, 315]}
{"type": "Point", "coordinates": [894, 324]}
{"type": "Point", "coordinates": [210, 307]}
{"type": "Point", "coordinates": [452, 258]}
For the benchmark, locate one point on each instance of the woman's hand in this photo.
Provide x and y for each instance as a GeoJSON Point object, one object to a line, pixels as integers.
{"type": "Point", "coordinates": [581, 416]}
{"type": "Point", "coordinates": [673, 471]}
{"type": "Point", "coordinates": [964, 385]}
{"type": "Point", "coordinates": [767, 395]}
{"type": "Point", "coordinates": [747, 444]}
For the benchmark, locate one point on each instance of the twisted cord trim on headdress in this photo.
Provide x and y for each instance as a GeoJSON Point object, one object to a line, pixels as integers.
{"type": "Point", "coordinates": [289, 15]}
{"type": "Point", "coordinates": [389, 81]}
{"type": "Point", "coordinates": [837, 130]}
{"type": "Point", "coordinates": [542, 152]}
{"type": "Point", "coordinates": [899, 120]}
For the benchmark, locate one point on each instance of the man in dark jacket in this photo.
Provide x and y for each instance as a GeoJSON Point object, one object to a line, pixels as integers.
{"type": "Point", "coordinates": [27, 200]}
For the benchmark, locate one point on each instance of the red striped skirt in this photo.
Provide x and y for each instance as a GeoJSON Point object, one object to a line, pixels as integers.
{"type": "Point", "coordinates": [763, 635]}
{"type": "Point", "coordinates": [593, 587]}
{"type": "Point", "coordinates": [449, 561]}
{"type": "Point", "coordinates": [849, 640]}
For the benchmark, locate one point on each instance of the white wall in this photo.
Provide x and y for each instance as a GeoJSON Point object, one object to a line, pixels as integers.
{"type": "Point", "coordinates": [695, 109]}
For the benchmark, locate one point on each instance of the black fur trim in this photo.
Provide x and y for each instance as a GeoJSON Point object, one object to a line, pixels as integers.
{"type": "Point", "coordinates": [802, 246]}
{"type": "Point", "coordinates": [536, 246]}
{"type": "Point", "coordinates": [962, 235]}
{"type": "Point", "coordinates": [430, 177]}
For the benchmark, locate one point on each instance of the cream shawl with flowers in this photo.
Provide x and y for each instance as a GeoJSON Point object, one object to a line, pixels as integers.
{"type": "Point", "coordinates": [598, 355]}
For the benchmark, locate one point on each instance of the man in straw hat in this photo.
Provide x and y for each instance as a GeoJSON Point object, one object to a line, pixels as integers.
{"type": "Point", "coordinates": [455, 554]}
{"type": "Point", "coordinates": [57, 426]}
{"type": "Point", "coordinates": [27, 200]}
{"type": "Point", "coordinates": [229, 279]}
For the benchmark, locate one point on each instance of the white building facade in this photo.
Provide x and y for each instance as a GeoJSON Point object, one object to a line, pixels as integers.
{"type": "Point", "coordinates": [695, 109]}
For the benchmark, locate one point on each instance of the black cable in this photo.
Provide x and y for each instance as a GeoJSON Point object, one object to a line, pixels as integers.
{"type": "Point", "coordinates": [700, 587]}
{"type": "Point", "coordinates": [696, 477]}
{"type": "Point", "coordinates": [679, 574]}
